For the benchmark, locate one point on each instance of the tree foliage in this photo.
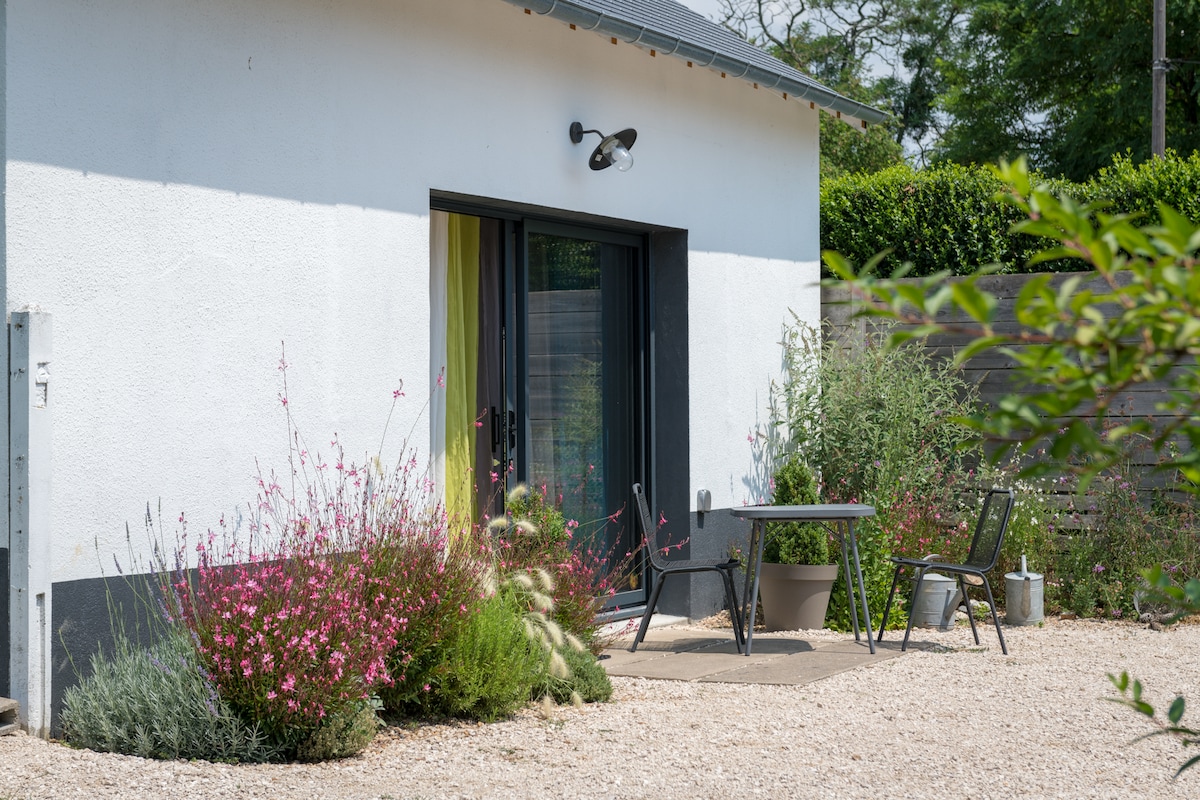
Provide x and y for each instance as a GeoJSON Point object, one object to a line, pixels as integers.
{"type": "Point", "coordinates": [1183, 600]}
{"type": "Point", "coordinates": [1067, 84]}
{"type": "Point", "coordinates": [831, 42]}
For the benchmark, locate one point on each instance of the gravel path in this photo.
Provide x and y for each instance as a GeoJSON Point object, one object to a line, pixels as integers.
{"type": "Point", "coordinates": [952, 721]}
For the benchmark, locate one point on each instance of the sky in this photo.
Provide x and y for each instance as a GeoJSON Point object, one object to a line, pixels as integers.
{"type": "Point", "coordinates": [708, 8]}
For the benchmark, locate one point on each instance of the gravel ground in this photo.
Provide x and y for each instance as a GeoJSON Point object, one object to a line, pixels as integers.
{"type": "Point", "coordinates": [953, 720]}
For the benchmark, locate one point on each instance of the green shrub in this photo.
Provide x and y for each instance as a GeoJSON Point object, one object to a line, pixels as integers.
{"type": "Point", "coordinates": [534, 535]}
{"type": "Point", "coordinates": [796, 542]}
{"type": "Point", "coordinates": [543, 534]}
{"type": "Point", "coordinates": [876, 423]}
{"type": "Point", "coordinates": [158, 703]}
{"type": "Point", "coordinates": [588, 681]}
{"type": "Point", "coordinates": [1099, 571]}
{"type": "Point", "coordinates": [440, 593]}
{"type": "Point", "coordinates": [1139, 188]}
{"type": "Point", "coordinates": [341, 734]}
{"type": "Point", "coordinates": [487, 669]}
{"type": "Point", "coordinates": [947, 217]}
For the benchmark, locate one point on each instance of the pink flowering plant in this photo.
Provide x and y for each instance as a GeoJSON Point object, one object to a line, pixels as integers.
{"type": "Point", "coordinates": [921, 519]}
{"type": "Point", "coordinates": [298, 614]}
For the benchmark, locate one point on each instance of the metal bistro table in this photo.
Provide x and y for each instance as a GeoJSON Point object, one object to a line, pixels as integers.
{"type": "Point", "coordinates": [832, 517]}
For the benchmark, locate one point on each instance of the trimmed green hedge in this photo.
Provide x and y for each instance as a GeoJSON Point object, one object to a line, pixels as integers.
{"type": "Point", "coordinates": [947, 217]}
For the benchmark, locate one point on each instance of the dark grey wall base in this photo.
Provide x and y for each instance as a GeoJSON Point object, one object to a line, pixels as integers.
{"type": "Point", "coordinates": [713, 535]}
{"type": "Point", "coordinates": [86, 613]}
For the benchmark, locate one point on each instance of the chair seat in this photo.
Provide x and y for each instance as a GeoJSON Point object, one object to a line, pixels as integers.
{"type": "Point", "coordinates": [693, 564]}
{"type": "Point", "coordinates": [942, 565]}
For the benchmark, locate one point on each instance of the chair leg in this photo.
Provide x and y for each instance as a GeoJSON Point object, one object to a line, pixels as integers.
{"type": "Point", "coordinates": [641, 634]}
{"type": "Point", "coordinates": [962, 587]}
{"type": "Point", "coordinates": [916, 594]}
{"type": "Point", "coordinates": [727, 579]}
{"type": "Point", "coordinates": [739, 622]}
{"type": "Point", "coordinates": [987, 587]}
{"type": "Point", "coordinates": [887, 609]}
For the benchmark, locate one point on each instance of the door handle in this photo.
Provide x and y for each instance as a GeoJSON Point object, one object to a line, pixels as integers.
{"type": "Point", "coordinates": [512, 430]}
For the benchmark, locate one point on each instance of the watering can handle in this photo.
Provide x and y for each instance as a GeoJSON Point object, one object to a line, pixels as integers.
{"type": "Point", "coordinates": [1025, 602]}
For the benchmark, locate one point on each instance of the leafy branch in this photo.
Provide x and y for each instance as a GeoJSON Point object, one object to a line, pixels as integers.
{"type": "Point", "coordinates": [1183, 601]}
{"type": "Point", "coordinates": [1078, 345]}
{"type": "Point", "coordinates": [1131, 696]}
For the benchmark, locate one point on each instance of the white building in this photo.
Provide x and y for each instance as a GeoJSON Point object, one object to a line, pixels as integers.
{"type": "Point", "coordinates": [190, 184]}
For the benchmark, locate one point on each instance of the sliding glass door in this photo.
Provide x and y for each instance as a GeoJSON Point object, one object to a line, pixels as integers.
{"type": "Point", "coordinates": [584, 386]}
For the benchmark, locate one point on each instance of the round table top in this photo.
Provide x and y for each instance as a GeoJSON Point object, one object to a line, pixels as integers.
{"type": "Point", "coordinates": [815, 511]}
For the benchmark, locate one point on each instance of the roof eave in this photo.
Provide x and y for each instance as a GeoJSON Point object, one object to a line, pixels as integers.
{"type": "Point", "coordinates": [587, 19]}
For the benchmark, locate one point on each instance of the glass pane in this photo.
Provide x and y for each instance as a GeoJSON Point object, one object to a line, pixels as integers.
{"type": "Point", "coordinates": [581, 379]}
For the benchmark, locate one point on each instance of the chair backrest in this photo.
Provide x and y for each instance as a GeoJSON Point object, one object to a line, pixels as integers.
{"type": "Point", "coordinates": [989, 531]}
{"type": "Point", "coordinates": [649, 529]}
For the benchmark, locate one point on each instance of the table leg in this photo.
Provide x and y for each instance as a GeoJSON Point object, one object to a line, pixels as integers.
{"type": "Point", "coordinates": [837, 530]}
{"type": "Point", "coordinates": [750, 593]}
{"type": "Point", "coordinates": [862, 589]}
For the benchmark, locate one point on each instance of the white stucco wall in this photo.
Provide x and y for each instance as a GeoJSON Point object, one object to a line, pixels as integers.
{"type": "Point", "coordinates": [189, 184]}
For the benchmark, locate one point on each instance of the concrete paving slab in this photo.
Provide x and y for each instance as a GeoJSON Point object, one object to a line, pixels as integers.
{"type": "Point", "coordinates": [794, 670]}
{"type": "Point", "coordinates": [685, 666]}
{"type": "Point", "coordinates": [675, 640]}
{"type": "Point", "coordinates": [777, 646]}
{"type": "Point", "coordinates": [620, 657]}
{"type": "Point", "coordinates": [851, 646]}
{"type": "Point", "coordinates": [688, 655]}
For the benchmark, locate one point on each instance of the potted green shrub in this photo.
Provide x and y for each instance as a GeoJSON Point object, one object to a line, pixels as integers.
{"type": "Point", "coordinates": [796, 577]}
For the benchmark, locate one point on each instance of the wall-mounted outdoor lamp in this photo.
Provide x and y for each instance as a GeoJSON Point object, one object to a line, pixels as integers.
{"type": "Point", "coordinates": [613, 150]}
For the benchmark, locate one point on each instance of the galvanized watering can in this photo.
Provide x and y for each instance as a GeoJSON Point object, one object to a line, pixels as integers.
{"type": "Point", "coordinates": [1024, 593]}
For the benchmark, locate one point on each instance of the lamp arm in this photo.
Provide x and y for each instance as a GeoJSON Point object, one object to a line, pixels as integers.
{"type": "Point", "coordinates": [577, 131]}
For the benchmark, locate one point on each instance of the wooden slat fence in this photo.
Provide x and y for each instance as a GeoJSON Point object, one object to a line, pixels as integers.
{"type": "Point", "coordinates": [992, 372]}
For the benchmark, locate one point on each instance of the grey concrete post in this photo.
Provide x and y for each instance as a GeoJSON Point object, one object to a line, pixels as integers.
{"type": "Point", "coordinates": [29, 517]}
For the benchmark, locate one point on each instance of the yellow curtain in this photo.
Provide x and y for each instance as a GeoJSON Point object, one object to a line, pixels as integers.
{"type": "Point", "coordinates": [462, 359]}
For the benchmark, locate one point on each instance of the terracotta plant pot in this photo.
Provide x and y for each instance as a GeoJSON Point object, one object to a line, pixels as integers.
{"type": "Point", "coordinates": [795, 597]}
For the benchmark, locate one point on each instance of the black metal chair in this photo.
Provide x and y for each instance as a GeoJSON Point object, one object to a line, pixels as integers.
{"type": "Point", "coordinates": [981, 559]}
{"type": "Point", "coordinates": [662, 567]}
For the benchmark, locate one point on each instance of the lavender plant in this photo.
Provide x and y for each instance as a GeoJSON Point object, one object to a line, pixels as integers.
{"type": "Point", "coordinates": [158, 702]}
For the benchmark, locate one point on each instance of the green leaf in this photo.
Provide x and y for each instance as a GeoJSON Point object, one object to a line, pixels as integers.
{"type": "Point", "coordinates": [977, 346]}
{"type": "Point", "coordinates": [1191, 762]}
{"type": "Point", "coordinates": [838, 265]}
{"type": "Point", "coordinates": [1175, 712]}
{"type": "Point", "coordinates": [980, 305]}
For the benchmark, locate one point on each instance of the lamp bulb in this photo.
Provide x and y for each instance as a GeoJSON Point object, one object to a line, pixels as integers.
{"type": "Point", "coordinates": [619, 156]}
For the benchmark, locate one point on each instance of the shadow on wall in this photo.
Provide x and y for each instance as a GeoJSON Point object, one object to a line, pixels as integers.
{"type": "Point", "coordinates": [289, 100]}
